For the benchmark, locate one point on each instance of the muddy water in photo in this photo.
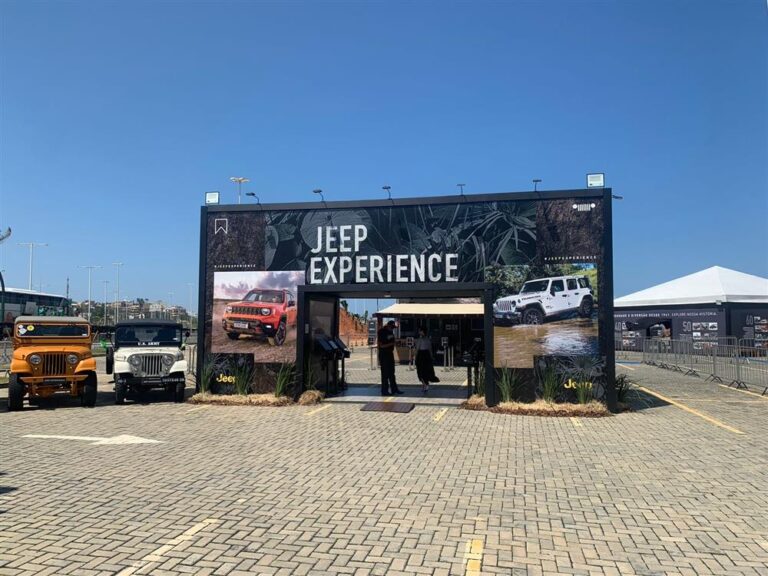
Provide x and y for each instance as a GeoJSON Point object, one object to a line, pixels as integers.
{"type": "Point", "coordinates": [515, 346]}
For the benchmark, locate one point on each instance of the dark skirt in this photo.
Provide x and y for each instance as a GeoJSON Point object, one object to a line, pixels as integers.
{"type": "Point", "coordinates": [425, 370]}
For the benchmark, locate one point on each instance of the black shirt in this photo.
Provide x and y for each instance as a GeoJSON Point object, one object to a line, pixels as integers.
{"type": "Point", "coordinates": [386, 336]}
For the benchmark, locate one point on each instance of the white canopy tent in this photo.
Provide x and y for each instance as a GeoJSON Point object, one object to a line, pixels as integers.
{"type": "Point", "coordinates": [715, 285]}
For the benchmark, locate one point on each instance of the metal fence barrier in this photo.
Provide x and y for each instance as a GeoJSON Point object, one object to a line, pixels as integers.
{"type": "Point", "coordinates": [728, 361]}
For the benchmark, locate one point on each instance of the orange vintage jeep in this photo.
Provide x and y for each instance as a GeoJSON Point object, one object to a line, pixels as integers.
{"type": "Point", "coordinates": [51, 354]}
{"type": "Point", "coordinates": [262, 313]}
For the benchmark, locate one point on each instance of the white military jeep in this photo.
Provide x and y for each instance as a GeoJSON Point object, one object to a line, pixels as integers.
{"type": "Point", "coordinates": [148, 354]}
{"type": "Point", "coordinates": [545, 298]}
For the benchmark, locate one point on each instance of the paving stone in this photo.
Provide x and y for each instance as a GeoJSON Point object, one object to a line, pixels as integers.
{"type": "Point", "coordinates": [654, 491]}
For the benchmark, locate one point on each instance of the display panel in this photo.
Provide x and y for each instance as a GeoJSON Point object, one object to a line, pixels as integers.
{"type": "Point", "coordinates": [502, 240]}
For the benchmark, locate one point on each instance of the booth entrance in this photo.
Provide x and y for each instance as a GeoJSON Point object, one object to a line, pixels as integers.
{"type": "Point", "coordinates": [344, 368]}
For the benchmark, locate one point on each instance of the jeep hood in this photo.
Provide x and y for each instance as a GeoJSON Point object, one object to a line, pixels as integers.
{"type": "Point", "coordinates": [256, 304]}
{"type": "Point", "coordinates": [127, 351]}
{"type": "Point", "coordinates": [79, 349]}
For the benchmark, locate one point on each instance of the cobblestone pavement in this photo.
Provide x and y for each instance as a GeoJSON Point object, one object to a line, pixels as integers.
{"type": "Point", "coordinates": [333, 490]}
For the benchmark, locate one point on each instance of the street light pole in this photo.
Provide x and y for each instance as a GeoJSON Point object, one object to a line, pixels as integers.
{"type": "Point", "coordinates": [239, 180]}
{"type": "Point", "coordinates": [170, 304]}
{"type": "Point", "coordinates": [90, 269]}
{"type": "Point", "coordinates": [3, 237]}
{"type": "Point", "coordinates": [189, 310]}
{"type": "Point", "coordinates": [117, 294]}
{"type": "Point", "coordinates": [106, 318]}
{"type": "Point", "coordinates": [32, 246]}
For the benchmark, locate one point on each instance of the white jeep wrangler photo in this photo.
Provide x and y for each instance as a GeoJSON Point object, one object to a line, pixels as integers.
{"type": "Point", "coordinates": [148, 354]}
{"type": "Point", "coordinates": [544, 299]}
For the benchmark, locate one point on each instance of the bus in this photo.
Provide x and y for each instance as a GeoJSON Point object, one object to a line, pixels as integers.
{"type": "Point", "coordinates": [20, 302]}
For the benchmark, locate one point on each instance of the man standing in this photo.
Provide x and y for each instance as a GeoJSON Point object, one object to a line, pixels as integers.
{"type": "Point", "coordinates": [385, 341]}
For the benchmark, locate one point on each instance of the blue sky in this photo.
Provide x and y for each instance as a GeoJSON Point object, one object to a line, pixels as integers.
{"type": "Point", "coordinates": [115, 118]}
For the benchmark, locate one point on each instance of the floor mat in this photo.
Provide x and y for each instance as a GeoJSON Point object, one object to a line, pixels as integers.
{"type": "Point", "coordinates": [399, 407]}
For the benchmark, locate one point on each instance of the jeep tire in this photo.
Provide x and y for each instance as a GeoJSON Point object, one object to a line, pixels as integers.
{"type": "Point", "coordinates": [121, 391]}
{"type": "Point", "coordinates": [88, 393]}
{"type": "Point", "coordinates": [585, 308]}
{"type": "Point", "coordinates": [233, 335]}
{"type": "Point", "coordinates": [15, 393]}
{"type": "Point", "coordinates": [178, 396]}
{"type": "Point", "coordinates": [279, 338]}
{"type": "Point", "coordinates": [533, 316]}
{"type": "Point", "coordinates": [110, 360]}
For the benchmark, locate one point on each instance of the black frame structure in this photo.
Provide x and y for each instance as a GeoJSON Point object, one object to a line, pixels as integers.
{"type": "Point", "coordinates": [429, 290]}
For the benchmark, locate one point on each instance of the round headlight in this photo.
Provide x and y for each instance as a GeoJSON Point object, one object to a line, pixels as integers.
{"type": "Point", "coordinates": [167, 361]}
{"type": "Point", "coordinates": [135, 360]}
{"type": "Point", "coordinates": [72, 358]}
{"type": "Point", "coordinates": [228, 309]}
{"type": "Point", "coordinates": [266, 311]}
{"type": "Point", "coordinates": [34, 359]}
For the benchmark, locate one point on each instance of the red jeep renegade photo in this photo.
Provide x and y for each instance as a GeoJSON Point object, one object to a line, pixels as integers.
{"type": "Point", "coordinates": [262, 313]}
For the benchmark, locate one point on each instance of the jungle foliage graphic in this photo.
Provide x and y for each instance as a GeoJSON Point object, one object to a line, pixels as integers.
{"type": "Point", "coordinates": [482, 234]}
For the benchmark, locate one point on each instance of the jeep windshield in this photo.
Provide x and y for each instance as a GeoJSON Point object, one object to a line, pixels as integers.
{"type": "Point", "coordinates": [140, 335]}
{"type": "Point", "coordinates": [534, 286]}
{"type": "Point", "coordinates": [37, 330]}
{"type": "Point", "coordinates": [270, 296]}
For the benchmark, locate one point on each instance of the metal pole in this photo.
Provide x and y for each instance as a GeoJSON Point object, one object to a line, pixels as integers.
{"type": "Point", "coordinates": [90, 269]}
{"type": "Point", "coordinates": [89, 294]}
{"type": "Point", "coordinates": [32, 246]}
{"type": "Point", "coordinates": [106, 315]}
{"type": "Point", "coordinates": [117, 295]}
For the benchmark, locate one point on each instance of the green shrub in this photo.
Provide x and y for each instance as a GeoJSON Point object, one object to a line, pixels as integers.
{"type": "Point", "coordinates": [509, 383]}
{"type": "Point", "coordinates": [208, 371]}
{"type": "Point", "coordinates": [243, 374]}
{"type": "Point", "coordinates": [479, 376]}
{"type": "Point", "coordinates": [550, 384]}
{"type": "Point", "coordinates": [309, 375]}
{"type": "Point", "coordinates": [583, 392]}
{"type": "Point", "coordinates": [285, 377]}
{"type": "Point", "coordinates": [623, 388]}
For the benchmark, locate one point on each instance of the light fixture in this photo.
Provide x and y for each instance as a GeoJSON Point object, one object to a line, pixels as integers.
{"type": "Point", "coordinates": [536, 182]}
{"type": "Point", "coordinates": [253, 195]}
{"type": "Point", "coordinates": [596, 180]}
{"type": "Point", "coordinates": [212, 197]}
{"type": "Point", "coordinates": [388, 189]}
{"type": "Point", "coordinates": [322, 198]}
{"type": "Point", "coordinates": [239, 180]}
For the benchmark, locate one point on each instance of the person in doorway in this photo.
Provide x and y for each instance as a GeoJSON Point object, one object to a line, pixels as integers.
{"type": "Point", "coordinates": [385, 342]}
{"type": "Point", "coordinates": [425, 367]}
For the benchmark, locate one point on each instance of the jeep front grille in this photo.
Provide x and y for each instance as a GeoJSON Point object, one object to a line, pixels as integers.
{"type": "Point", "coordinates": [246, 311]}
{"type": "Point", "coordinates": [54, 364]}
{"type": "Point", "coordinates": [152, 364]}
{"type": "Point", "coordinates": [505, 305]}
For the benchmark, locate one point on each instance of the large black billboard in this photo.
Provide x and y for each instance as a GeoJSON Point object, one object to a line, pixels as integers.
{"type": "Point", "coordinates": [547, 255]}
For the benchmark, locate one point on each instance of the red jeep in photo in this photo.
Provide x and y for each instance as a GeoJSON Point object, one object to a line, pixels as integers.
{"type": "Point", "coordinates": [262, 313]}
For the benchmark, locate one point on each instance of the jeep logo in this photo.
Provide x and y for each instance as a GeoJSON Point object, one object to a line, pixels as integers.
{"type": "Point", "coordinates": [571, 385]}
{"type": "Point", "coordinates": [224, 379]}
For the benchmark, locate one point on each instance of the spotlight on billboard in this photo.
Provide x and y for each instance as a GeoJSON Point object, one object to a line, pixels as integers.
{"type": "Point", "coordinates": [211, 198]}
{"type": "Point", "coordinates": [596, 180]}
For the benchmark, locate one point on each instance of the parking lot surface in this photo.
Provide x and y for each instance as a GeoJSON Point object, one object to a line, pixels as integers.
{"type": "Point", "coordinates": [333, 490]}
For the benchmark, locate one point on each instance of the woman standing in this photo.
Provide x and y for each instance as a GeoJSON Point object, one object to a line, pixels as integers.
{"type": "Point", "coordinates": [425, 369]}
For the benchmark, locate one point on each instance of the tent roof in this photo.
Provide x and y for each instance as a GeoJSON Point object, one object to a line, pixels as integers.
{"type": "Point", "coordinates": [708, 286]}
{"type": "Point", "coordinates": [402, 309]}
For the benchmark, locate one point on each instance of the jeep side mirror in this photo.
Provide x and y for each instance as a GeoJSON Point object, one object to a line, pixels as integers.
{"type": "Point", "coordinates": [186, 333]}
{"type": "Point", "coordinates": [552, 290]}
